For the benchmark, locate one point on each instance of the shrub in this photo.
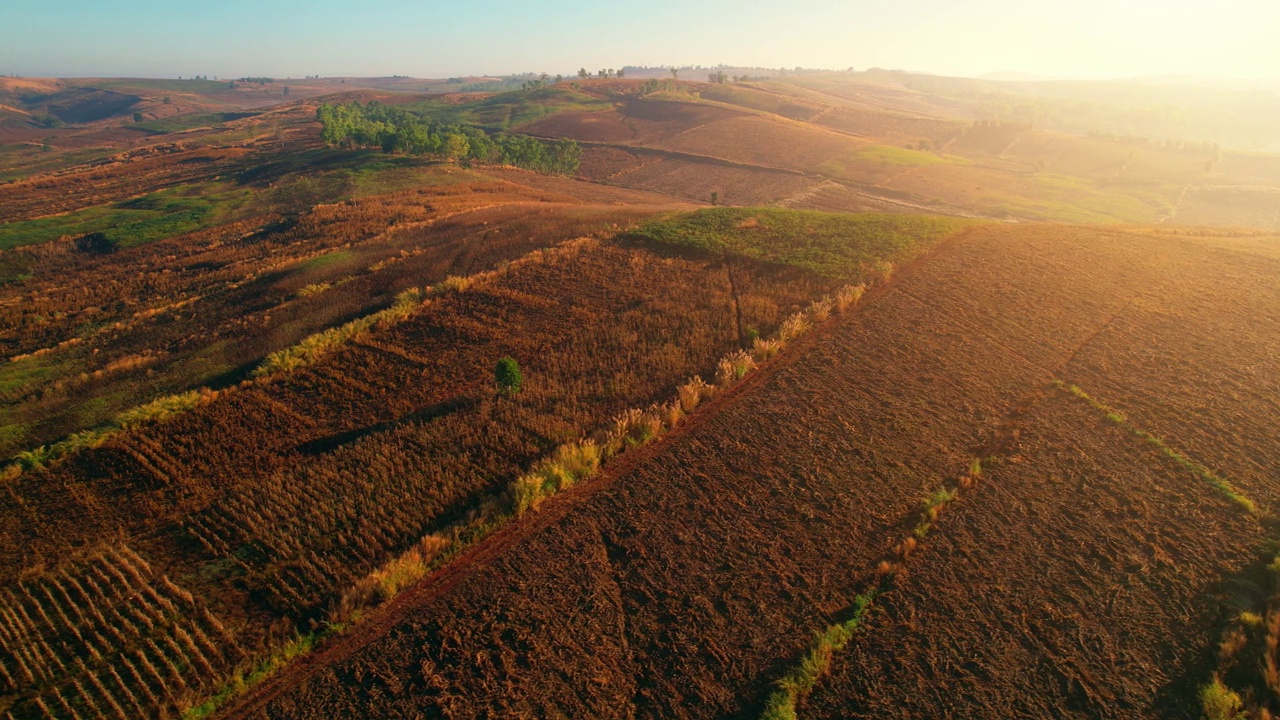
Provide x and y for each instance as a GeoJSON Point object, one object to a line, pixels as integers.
{"type": "Point", "coordinates": [848, 296]}
{"type": "Point", "coordinates": [1221, 702]}
{"type": "Point", "coordinates": [733, 367]}
{"type": "Point", "coordinates": [694, 392]}
{"type": "Point", "coordinates": [507, 376]}
{"type": "Point", "coordinates": [313, 289]}
{"type": "Point", "coordinates": [793, 327]}
{"type": "Point", "coordinates": [820, 310]}
{"type": "Point", "coordinates": [762, 350]}
{"type": "Point", "coordinates": [453, 283]}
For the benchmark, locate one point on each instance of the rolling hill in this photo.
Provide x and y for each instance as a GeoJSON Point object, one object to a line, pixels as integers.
{"type": "Point", "coordinates": [842, 395]}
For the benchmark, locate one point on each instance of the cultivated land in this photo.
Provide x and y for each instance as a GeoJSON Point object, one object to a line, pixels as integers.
{"type": "Point", "coordinates": [256, 463]}
{"type": "Point", "coordinates": [1107, 566]}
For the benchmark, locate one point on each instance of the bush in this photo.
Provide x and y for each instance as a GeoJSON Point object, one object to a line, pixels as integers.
{"type": "Point", "coordinates": [508, 377]}
{"type": "Point", "coordinates": [1221, 702]}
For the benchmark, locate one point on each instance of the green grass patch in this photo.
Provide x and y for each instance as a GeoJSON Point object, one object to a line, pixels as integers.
{"type": "Point", "coordinates": [1220, 484]}
{"type": "Point", "coordinates": [1074, 199]}
{"type": "Point", "coordinates": [511, 109]}
{"type": "Point", "coordinates": [178, 123]}
{"type": "Point", "coordinates": [22, 161]}
{"type": "Point", "coordinates": [126, 85]}
{"type": "Point", "coordinates": [874, 156]}
{"type": "Point", "coordinates": [329, 259]}
{"type": "Point", "coordinates": [19, 375]}
{"type": "Point", "coordinates": [835, 245]}
{"type": "Point", "coordinates": [132, 222]}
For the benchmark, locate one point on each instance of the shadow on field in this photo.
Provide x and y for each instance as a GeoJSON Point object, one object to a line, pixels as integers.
{"type": "Point", "coordinates": [329, 443]}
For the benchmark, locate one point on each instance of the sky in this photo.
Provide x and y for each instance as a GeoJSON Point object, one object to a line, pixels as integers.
{"type": "Point", "coordinates": [294, 38]}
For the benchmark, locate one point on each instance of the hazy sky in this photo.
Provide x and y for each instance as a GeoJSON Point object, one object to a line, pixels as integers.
{"type": "Point", "coordinates": [280, 38]}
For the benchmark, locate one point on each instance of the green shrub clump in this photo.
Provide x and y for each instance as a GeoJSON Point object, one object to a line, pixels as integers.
{"type": "Point", "coordinates": [508, 377]}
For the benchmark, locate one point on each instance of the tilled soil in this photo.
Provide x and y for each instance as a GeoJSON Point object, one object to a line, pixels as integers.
{"type": "Point", "coordinates": [1085, 577]}
{"type": "Point", "coordinates": [684, 586]}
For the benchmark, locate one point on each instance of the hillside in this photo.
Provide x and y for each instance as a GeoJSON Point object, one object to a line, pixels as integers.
{"type": "Point", "coordinates": [762, 523]}
{"type": "Point", "coordinates": [817, 395]}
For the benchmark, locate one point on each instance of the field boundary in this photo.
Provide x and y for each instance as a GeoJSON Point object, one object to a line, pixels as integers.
{"type": "Point", "coordinates": [1220, 484]}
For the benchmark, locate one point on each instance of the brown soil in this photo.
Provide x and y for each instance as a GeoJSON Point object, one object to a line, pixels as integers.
{"type": "Point", "coordinates": [682, 586]}
{"type": "Point", "coordinates": [268, 503]}
{"type": "Point", "coordinates": [768, 142]}
{"type": "Point", "coordinates": [600, 126]}
{"type": "Point", "coordinates": [1086, 577]}
{"type": "Point", "coordinates": [696, 181]}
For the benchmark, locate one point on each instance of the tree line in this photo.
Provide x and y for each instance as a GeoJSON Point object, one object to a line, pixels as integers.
{"type": "Point", "coordinates": [395, 130]}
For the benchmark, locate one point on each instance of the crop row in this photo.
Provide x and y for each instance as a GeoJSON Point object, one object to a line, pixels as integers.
{"type": "Point", "coordinates": [108, 637]}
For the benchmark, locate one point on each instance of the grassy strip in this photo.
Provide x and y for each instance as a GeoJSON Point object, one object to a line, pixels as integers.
{"type": "Point", "coordinates": [1220, 484]}
{"type": "Point", "coordinates": [263, 669]}
{"type": "Point", "coordinates": [816, 663]}
{"type": "Point", "coordinates": [800, 680]}
{"type": "Point", "coordinates": [316, 346]}
{"type": "Point", "coordinates": [1217, 700]}
{"type": "Point", "coordinates": [158, 410]}
{"type": "Point", "coordinates": [188, 122]}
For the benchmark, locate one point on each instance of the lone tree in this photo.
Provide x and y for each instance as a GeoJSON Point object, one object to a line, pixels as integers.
{"type": "Point", "coordinates": [507, 376]}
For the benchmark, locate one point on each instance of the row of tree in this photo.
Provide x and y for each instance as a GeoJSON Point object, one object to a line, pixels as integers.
{"type": "Point", "coordinates": [607, 74]}
{"type": "Point", "coordinates": [396, 130]}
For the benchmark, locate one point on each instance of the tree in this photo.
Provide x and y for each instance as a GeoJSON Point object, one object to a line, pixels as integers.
{"type": "Point", "coordinates": [675, 73]}
{"type": "Point", "coordinates": [582, 73]}
{"type": "Point", "coordinates": [621, 73]}
{"type": "Point", "coordinates": [137, 117]}
{"type": "Point", "coordinates": [507, 376]}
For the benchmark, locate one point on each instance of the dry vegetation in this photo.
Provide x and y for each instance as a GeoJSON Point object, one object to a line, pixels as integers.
{"type": "Point", "coordinates": [908, 463]}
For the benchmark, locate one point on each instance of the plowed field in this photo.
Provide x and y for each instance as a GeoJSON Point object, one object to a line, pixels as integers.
{"type": "Point", "coordinates": [1083, 575]}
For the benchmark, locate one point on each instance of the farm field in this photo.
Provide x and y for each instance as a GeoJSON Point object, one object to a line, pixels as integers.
{"type": "Point", "coordinates": [819, 395]}
{"type": "Point", "coordinates": [758, 526]}
{"type": "Point", "coordinates": [267, 503]}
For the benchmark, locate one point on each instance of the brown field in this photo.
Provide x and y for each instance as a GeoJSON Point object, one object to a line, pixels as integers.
{"type": "Point", "coordinates": [697, 180]}
{"type": "Point", "coordinates": [267, 503]}
{"type": "Point", "coordinates": [684, 585]}
{"type": "Point", "coordinates": [256, 463]}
